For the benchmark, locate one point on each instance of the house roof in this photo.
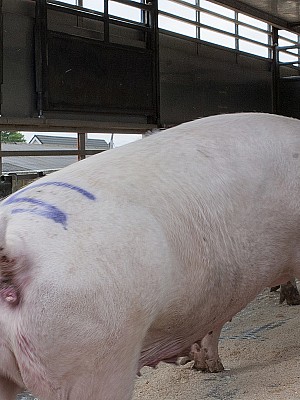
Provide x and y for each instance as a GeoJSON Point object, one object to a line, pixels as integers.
{"type": "Point", "coordinates": [34, 163]}
{"type": "Point", "coordinates": [66, 141]}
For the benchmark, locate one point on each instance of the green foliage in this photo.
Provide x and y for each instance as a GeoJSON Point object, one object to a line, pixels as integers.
{"type": "Point", "coordinates": [12, 137]}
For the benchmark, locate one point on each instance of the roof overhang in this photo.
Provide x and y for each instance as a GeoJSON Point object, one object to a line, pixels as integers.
{"type": "Point", "coordinates": [284, 14]}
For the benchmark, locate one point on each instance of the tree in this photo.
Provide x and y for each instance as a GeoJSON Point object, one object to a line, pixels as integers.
{"type": "Point", "coordinates": [12, 137]}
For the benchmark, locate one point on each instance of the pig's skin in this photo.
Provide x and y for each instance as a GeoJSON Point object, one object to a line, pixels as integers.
{"type": "Point", "coordinates": [131, 256]}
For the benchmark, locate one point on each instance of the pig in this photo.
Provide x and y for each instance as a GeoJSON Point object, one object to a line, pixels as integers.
{"type": "Point", "coordinates": [127, 258]}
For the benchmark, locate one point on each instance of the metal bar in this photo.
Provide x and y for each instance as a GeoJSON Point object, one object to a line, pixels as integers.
{"type": "Point", "coordinates": [247, 9]}
{"type": "Point", "coordinates": [155, 63]}
{"type": "Point", "coordinates": [51, 124]}
{"type": "Point", "coordinates": [145, 18]}
{"type": "Point", "coordinates": [236, 30]}
{"type": "Point", "coordinates": [26, 175]}
{"type": "Point", "coordinates": [80, 8]}
{"type": "Point", "coordinates": [188, 21]}
{"type": "Point", "coordinates": [1, 161]}
{"type": "Point", "coordinates": [99, 16]}
{"type": "Point", "coordinates": [215, 14]}
{"type": "Point", "coordinates": [29, 174]}
{"type": "Point", "coordinates": [198, 19]}
{"type": "Point", "coordinates": [106, 22]}
{"type": "Point", "coordinates": [275, 72]}
{"type": "Point", "coordinates": [1, 55]}
{"type": "Point", "coordinates": [79, 17]}
{"type": "Point", "coordinates": [290, 62]}
{"type": "Point", "coordinates": [127, 23]}
{"type": "Point", "coordinates": [48, 153]}
{"type": "Point", "coordinates": [81, 145]}
{"type": "Point", "coordinates": [147, 6]}
{"type": "Point", "coordinates": [282, 48]}
{"type": "Point", "coordinates": [290, 78]}
{"type": "Point", "coordinates": [270, 42]}
{"type": "Point", "coordinates": [40, 52]}
{"type": "Point", "coordinates": [75, 10]}
{"type": "Point", "coordinates": [96, 15]}
{"type": "Point", "coordinates": [294, 42]}
{"type": "Point", "coordinates": [290, 54]}
{"type": "Point", "coordinates": [142, 6]}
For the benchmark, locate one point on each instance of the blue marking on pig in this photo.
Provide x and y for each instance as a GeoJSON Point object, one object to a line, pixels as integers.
{"type": "Point", "coordinates": [41, 207]}
{"type": "Point", "coordinates": [78, 189]}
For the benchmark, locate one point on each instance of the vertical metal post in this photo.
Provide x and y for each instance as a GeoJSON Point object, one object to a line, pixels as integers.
{"type": "Point", "coordinates": [106, 22]}
{"type": "Point", "coordinates": [81, 140]}
{"type": "Point", "coordinates": [298, 54]}
{"type": "Point", "coordinates": [40, 52]}
{"type": "Point", "coordinates": [236, 30]}
{"type": "Point", "coordinates": [198, 19]}
{"type": "Point", "coordinates": [1, 167]}
{"type": "Point", "coordinates": [275, 72]}
{"type": "Point", "coordinates": [1, 55]}
{"type": "Point", "coordinates": [155, 63]}
{"type": "Point", "coordinates": [270, 42]}
{"type": "Point", "coordinates": [144, 15]}
{"type": "Point", "coordinates": [79, 19]}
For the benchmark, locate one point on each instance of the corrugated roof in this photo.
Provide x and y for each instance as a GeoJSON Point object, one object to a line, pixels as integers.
{"type": "Point", "coordinates": [34, 163]}
{"type": "Point", "coordinates": [67, 141]}
{"type": "Point", "coordinates": [9, 167]}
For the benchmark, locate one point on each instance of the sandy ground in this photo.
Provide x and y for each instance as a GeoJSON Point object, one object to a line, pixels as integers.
{"type": "Point", "coordinates": [260, 351]}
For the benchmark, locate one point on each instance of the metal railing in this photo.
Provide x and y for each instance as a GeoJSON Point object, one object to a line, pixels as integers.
{"type": "Point", "coordinates": [288, 51]}
{"type": "Point", "coordinates": [231, 31]}
{"type": "Point", "coordinates": [81, 151]}
{"type": "Point", "coordinates": [198, 19]}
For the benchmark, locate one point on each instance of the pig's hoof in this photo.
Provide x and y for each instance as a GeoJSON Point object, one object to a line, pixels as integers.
{"type": "Point", "coordinates": [212, 366]}
{"type": "Point", "coordinates": [290, 293]}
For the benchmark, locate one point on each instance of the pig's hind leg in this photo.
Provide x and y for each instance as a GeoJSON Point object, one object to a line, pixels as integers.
{"type": "Point", "coordinates": [205, 353]}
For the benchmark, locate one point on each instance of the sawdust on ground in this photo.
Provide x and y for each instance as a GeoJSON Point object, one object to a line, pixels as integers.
{"type": "Point", "coordinates": [260, 351]}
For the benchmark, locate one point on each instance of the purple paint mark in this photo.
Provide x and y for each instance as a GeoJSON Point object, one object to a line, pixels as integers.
{"type": "Point", "coordinates": [59, 218]}
{"type": "Point", "coordinates": [43, 208]}
{"type": "Point", "coordinates": [78, 189]}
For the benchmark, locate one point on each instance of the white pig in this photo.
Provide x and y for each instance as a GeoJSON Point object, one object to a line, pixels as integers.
{"type": "Point", "coordinates": [129, 257]}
